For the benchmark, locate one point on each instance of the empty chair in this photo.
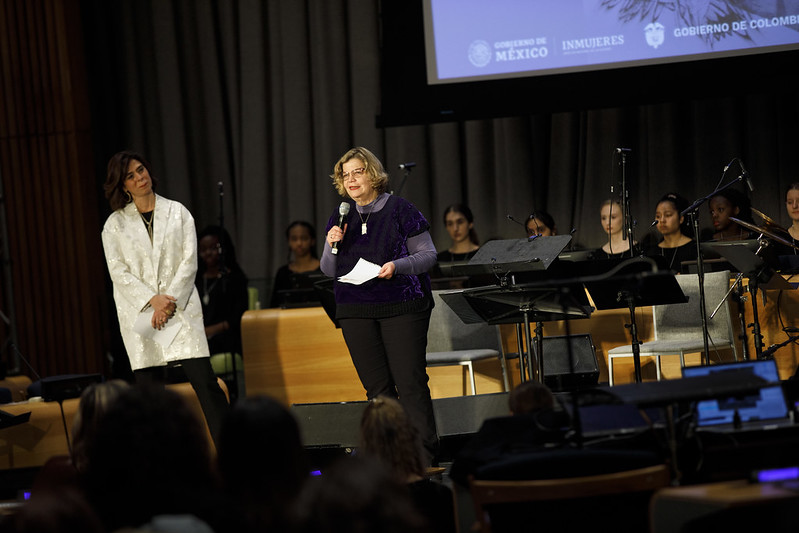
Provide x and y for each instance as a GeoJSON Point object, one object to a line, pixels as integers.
{"type": "Point", "coordinates": [678, 327]}
{"type": "Point", "coordinates": [451, 342]}
{"type": "Point", "coordinates": [569, 504]}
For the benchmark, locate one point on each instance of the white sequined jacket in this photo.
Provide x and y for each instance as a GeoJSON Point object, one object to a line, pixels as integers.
{"type": "Point", "coordinates": [140, 270]}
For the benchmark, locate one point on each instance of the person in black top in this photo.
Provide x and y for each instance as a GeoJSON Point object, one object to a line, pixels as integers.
{"type": "Point", "coordinates": [459, 221]}
{"type": "Point", "coordinates": [541, 223]}
{"type": "Point", "coordinates": [384, 320]}
{"type": "Point", "coordinates": [303, 259]}
{"type": "Point", "coordinates": [792, 206]}
{"type": "Point", "coordinates": [787, 257]}
{"type": "Point", "coordinates": [223, 290]}
{"type": "Point", "coordinates": [730, 203]}
{"type": "Point", "coordinates": [676, 245]}
{"type": "Point", "coordinates": [617, 245]}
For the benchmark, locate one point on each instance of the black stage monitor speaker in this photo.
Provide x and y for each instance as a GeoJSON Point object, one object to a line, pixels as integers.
{"type": "Point", "coordinates": [329, 424]}
{"type": "Point", "coordinates": [338, 424]}
{"type": "Point", "coordinates": [558, 375]}
{"type": "Point", "coordinates": [331, 430]}
{"type": "Point", "coordinates": [463, 415]}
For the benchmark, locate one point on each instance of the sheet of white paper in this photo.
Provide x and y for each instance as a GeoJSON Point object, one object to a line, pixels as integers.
{"type": "Point", "coordinates": [165, 335]}
{"type": "Point", "coordinates": [362, 272]}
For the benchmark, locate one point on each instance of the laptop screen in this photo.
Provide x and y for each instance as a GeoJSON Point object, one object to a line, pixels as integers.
{"type": "Point", "coordinates": [768, 404]}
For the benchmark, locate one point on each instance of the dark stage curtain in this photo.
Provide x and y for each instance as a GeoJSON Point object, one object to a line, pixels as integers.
{"type": "Point", "coordinates": [265, 96]}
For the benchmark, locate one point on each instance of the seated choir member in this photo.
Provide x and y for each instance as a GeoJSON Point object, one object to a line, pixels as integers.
{"type": "Point", "coordinates": [730, 203]}
{"type": "Point", "coordinates": [617, 246]}
{"type": "Point", "coordinates": [787, 256]}
{"type": "Point", "coordinates": [792, 206]}
{"type": "Point", "coordinates": [223, 290]}
{"type": "Point", "coordinates": [676, 245]}
{"type": "Point", "coordinates": [541, 223]}
{"type": "Point", "coordinates": [302, 259]}
{"type": "Point", "coordinates": [459, 221]}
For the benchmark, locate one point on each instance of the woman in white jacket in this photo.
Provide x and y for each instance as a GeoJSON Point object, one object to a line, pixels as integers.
{"type": "Point", "coordinates": [150, 246]}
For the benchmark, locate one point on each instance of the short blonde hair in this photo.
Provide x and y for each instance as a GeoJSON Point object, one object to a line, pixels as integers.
{"type": "Point", "coordinates": [377, 174]}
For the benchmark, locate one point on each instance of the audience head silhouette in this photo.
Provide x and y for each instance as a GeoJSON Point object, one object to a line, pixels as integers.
{"type": "Point", "coordinates": [357, 494]}
{"type": "Point", "coordinates": [262, 462]}
{"type": "Point", "coordinates": [94, 402]}
{"type": "Point", "coordinates": [149, 456]}
{"type": "Point", "coordinates": [388, 435]}
{"type": "Point", "coordinates": [529, 397]}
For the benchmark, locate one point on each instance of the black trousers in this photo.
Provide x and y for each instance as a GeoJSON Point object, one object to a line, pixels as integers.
{"type": "Point", "coordinates": [389, 356]}
{"type": "Point", "coordinates": [203, 380]}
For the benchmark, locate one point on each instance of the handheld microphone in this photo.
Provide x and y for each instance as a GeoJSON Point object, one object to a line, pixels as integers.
{"type": "Point", "coordinates": [403, 166]}
{"type": "Point", "coordinates": [343, 211]}
{"type": "Point", "coordinates": [653, 224]}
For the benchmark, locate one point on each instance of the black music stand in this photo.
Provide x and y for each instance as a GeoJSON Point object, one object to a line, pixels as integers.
{"type": "Point", "coordinates": [511, 303]}
{"type": "Point", "coordinates": [635, 290]}
{"type": "Point", "coordinates": [506, 257]}
{"type": "Point", "coordinates": [522, 304]}
{"type": "Point", "coordinates": [7, 419]}
{"type": "Point", "coordinates": [759, 273]}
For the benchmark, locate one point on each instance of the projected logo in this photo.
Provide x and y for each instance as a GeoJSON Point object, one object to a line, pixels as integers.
{"type": "Point", "coordinates": [479, 53]}
{"type": "Point", "coordinates": [655, 34]}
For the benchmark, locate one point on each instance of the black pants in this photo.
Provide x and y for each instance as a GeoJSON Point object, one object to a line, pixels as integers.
{"type": "Point", "coordinates": [203, 381]}
{"type": "Point", "coordinates": [389, 356]}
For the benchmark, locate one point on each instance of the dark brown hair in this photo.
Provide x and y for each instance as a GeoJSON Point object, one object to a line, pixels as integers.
{"type": "Point", "coordinates": [115, 177]}
{"type": "Point", "coordinates": [464, 210]}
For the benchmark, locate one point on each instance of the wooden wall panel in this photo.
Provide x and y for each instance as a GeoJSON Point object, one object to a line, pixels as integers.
{"type": "Point", "coordinates": [50, 191]}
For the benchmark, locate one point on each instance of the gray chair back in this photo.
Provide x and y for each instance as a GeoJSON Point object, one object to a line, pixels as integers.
{"type": "Point", "coordinates": [448, 333]}
{"type": "Point", "coordinates": [684, 321]}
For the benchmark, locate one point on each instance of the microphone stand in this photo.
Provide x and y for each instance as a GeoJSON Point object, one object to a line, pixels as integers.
{"type": "Point", "coordinates": [221, 205]}
{"type": "Point", "coordinates": [769, 353]}
{"type": "Point", "coordinates": [222, 226]}
{"type": "Point", "coordinates": [693, 214]}
{"type": "Point", "coordinates": [223, 270]}
{"type": "Point", "coordinates": [737, 291]}
{"type": "Point", "coordinates": [577, 424]}
{"type": "Point", "coordinates": [404, 179]}
{"type": "Point", "coordinates": [625, 204]}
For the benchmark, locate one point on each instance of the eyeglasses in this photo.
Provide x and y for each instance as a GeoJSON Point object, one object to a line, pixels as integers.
{"type": "Point", "coordinates": [354, 173]}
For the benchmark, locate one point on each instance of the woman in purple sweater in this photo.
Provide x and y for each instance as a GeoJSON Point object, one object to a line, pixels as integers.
{"type": "Point", "coordinates": [385, 319]}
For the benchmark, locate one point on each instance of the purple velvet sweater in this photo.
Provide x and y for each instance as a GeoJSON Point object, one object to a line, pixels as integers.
{"type": "Point", "coordinates": [389, 229]}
